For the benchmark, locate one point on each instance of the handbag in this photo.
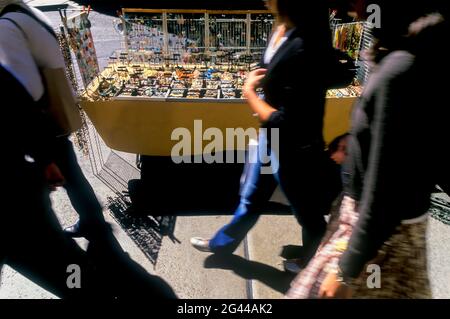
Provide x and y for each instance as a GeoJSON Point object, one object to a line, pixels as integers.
{"type": "Point", "coordinates": [61, 105]}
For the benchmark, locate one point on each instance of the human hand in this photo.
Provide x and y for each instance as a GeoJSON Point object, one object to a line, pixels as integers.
{"type": "Point", "coordinates": [332, 288]}
{"type": "Point", "coordinates": [254, 80]}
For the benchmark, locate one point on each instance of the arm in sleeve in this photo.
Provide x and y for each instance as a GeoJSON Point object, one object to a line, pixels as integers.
{"type": "Point", "coordinates": [292, 87]}
{"type": "Point", "coordinates": [16, 57]}
{"type": "Point", "coordinates": [379, 208]}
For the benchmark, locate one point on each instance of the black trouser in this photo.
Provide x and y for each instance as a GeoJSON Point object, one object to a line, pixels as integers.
{"type": "Point", "coordinates": [32, 243]}
{"type": "Point", "coordinates": [80, 192]}
{"type": "Point", "coordinates": [310, 188]}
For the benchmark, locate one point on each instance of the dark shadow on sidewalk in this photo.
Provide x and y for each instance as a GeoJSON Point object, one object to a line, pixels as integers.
{"type": "Point", "coordinates": [146, 231]}
{"type": "Point", "coordinates": [440, 209]}
{"type": "Point", "coordinates": [252, 270]}
{"type": "Point", "coordinates": [147, 227]}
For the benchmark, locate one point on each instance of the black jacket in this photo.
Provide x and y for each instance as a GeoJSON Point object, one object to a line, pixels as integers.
{"type": "Point", "coordinates": [295, 87]}
{"type": "Point", "coordinates": [396, 148]}
{"type": "Point", "coordinates": [295, 84]}
{"type": "Point", "coordinates": [26, 129]}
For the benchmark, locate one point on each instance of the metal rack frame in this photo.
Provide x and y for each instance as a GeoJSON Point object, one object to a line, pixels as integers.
{"type": "Point", "coordinates": [222, 32]}
{"type": "Point", "coordinates": [366, 43]}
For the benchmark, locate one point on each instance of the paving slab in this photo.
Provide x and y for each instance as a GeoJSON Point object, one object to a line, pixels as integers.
{"type": "Point", "coordinates": [438, 239]}
{"type": "Point", "coordinates": [184, 267]}
{"type": "Point", "coordinates": [265, 242]}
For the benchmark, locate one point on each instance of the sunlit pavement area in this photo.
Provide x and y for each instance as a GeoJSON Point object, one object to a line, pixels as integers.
{"type": "Point", "coordinates": [256, 270]}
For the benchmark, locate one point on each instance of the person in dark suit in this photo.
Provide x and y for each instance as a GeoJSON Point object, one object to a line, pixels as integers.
{"type": "Point", "coordinates": [36, 46]}
{"type": "Point", "coordinates": [31, 239]}
{"type": "Point", "coordinates": [294, 78]}
{"type": "Point", "coordinates": [44, 255]}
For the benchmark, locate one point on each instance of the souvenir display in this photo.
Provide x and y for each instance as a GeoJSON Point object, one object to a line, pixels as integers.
{"type": "Point", "coordinates": [350, 91]}
{"type": "Point", "coordinates": [82, 44]}
{"type": "Point", "coordinates": [157, 61]}
{"type": "Point", "coordinates": [347, 38]}
{"type": "Point", "coordinates": [179, 82]}
{"type": "Point", "coordinates": [188, 35]}
{"type": "Point", "coordinates": [354, 38]}
{"type": "Point", "coordinates": [261, 28]}
{"type": "Point", "coordinates": [193, 94]}
{"type": "Point", "coordinates": [65, 50]}
{"type": "Point", "coordinates": [182, 82]}
{"type": "Point", "coordinates": [179, 66]}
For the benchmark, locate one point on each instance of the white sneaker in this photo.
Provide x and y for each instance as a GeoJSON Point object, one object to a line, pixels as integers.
{"type": "Point", "coordinates": [201, 244]}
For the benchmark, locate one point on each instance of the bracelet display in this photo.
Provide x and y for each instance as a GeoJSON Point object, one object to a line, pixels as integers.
{"type": "Point", "coordinates": [141, 80]}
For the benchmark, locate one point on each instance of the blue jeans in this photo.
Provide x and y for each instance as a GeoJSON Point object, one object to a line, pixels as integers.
{"type": "Point", "coordinates": [300, 176]}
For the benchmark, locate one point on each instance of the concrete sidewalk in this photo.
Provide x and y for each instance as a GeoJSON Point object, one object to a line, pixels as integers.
{"type": "Point", "coordinates": [186, 269]}
{"type": "Point", "coordinates": [254, 272]}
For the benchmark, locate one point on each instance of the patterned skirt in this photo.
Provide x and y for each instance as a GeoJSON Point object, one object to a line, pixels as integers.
{"type": "Point", "coordinates": [401, 261]}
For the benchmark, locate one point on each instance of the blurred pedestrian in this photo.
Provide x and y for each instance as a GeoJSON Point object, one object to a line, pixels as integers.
{"type": "Point", "coordinates": [294, 80]}
{"type": "Point", "coordinates": [35, 49]}
{"type": "Point", "coordinates": [392, 166]}
{"type": "Point", "coordinates": [32, 241]}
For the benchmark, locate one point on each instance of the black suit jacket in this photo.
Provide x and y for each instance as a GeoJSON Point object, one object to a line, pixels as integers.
{"type": "Point", "coordinates": [28, 128]}
{"type": "Point", "coordinates": [294, 85]}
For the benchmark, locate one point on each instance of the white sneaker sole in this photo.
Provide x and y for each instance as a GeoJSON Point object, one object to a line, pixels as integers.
{"type": "Point", "coordinates": [200, 244]}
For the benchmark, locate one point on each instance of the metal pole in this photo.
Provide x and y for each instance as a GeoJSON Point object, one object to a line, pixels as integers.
{"type": "Point", "coordinates": [249, 30]}
{"type": "Point", "coordinates": [125, 33]}
{"type": "Point", "coordinates": [165, 33]}
{"type": "Point", "coordinates": [207, 32]}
